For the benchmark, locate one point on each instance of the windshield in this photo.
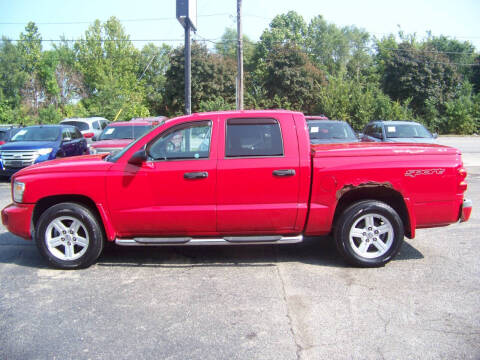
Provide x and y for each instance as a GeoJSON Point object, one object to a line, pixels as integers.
{"type": "Point", "coordinates": [407, 131]}
{"type": "Point", "coordinates": [37, 134]}
{"type": "Point", "coordinates": [322, 130]}
{"type": "Point", "coordinates": [124, 132]}
{"type": "Point", "coordinates": [80, 125]}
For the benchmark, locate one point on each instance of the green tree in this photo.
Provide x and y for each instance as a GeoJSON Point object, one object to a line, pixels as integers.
{"type": "Point", "coordinates": [419, 75]}
{"type": "Point", "coordinates": [49, 115]}
{"type": "Point", "coordinates": [284, 28]}
{"type": "Point", "coordinates": [12, 74]}
{"type": "Point", "coordinates": [458, 52]}
{"type": "Point", "coordinates": [109, 65]}
{"type": "Point", "coordinates": [227, 46]}
{"type": "Point", "coordinates": [213, 77]}
{"type": "Point", "coordinates": [30, 48]}
{"type": "Point", "coordinates": [46, 74]}
{"type": "Point", "coordinates": [290, 78]}
{"type": "Point", "coordinates": [461, 114]}
{"type": "Point", "coordinates": [335, 49]}
{"type": "Point", "coordinates": [475, 78]}
{"type": "Point", "coordinates": [357, 103]}
{"type": "Point", "coordinates": [69, 79]}
{"type": "Point", "coordinates": [154, 60]}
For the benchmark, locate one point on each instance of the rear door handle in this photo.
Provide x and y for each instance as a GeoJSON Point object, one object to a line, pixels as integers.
{"type": "Point", "coordinates": [196, 175]}
{"type": "Point", "coordinates": [286, 172]}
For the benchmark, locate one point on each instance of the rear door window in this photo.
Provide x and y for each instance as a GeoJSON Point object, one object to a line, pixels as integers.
{"type": "Point", "coordinates": [66, 134]}
{"type": "Point", "coordinates": [253, 137]}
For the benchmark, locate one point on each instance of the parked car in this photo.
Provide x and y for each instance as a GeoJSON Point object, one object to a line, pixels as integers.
{"type": "Point", "coordinates": [397, 131]}
{"type": "Point", "coordinates": [35, 144]}
{"type": "Point", "coordinates": [6, 133]}
{"type": "Point", "coordinates": [238, 177]}
{"type": "Point", "coordinates": [90, 128]}
{"type": "Point", "coordinates": [117, 135]}
{"type": "Point", "coordinates": [330, 131]}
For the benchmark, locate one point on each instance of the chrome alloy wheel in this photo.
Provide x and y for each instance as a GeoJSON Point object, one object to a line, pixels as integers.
{"type": "Point", "coordinates": [66, 238]}
{"type": "Point", "coordinates": [371, 236]}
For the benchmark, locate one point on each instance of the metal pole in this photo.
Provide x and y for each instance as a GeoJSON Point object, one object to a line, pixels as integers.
{"type": "Point", "coordinates": [188, 70]}
{"type": "Point", "coordinates": [239, 56]}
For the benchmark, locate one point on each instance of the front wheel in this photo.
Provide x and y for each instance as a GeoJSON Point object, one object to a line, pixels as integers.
{"type": "Point", "coordinates": [369, 233]}
{"type": "Point", "coordinates": [69, 236]}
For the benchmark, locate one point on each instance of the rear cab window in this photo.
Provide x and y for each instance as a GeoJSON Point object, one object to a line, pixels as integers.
{"type": "Point", "coordinates": [253, 137]}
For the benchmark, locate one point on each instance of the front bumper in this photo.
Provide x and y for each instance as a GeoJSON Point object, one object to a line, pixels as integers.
{"type": "Point", "coordinates": [17, 218]}
{"type": "Point", "coordinates": [466, 210]}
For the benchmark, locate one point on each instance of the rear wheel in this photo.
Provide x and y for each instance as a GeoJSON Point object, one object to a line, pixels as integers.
{"type": "Point", "coordinates": [69, 236]}
{"type": "Point", "coordinates": [369, 233]}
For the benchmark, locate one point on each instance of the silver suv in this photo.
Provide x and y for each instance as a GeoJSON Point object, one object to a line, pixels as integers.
{"type": "Point", "coordinates": [89, 127]}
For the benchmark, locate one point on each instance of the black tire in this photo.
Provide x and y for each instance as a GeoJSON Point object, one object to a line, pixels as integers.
{"type": "Point", "coordinates": [360, 237]}
{"type": "Point", "coordinates": [81, 247]}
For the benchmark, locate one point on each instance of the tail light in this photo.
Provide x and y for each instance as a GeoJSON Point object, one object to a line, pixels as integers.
{"type": "Point", "coordinates": [88, 135]}
{"type": "Point", "coordinates": [462, 174]}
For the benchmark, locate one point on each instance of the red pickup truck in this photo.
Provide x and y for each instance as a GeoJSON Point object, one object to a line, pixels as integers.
{"type": "Point", "coordinates": [246, 177]}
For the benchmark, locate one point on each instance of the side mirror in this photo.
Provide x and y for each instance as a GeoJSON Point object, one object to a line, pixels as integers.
{"type": "Point", "coordinates": [138, 158]}
{"type": "Point", "coordinates": [435, 135]}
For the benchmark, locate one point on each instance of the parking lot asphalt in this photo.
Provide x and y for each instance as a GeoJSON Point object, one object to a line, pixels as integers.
{"type": "Point", "coordinates": [251, 302]}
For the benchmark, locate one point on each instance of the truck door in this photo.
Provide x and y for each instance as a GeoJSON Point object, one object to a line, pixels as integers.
{"type": "Point", "coordinates": [258, 175]}
{"type": "Point", "coordinates": [173, 192]}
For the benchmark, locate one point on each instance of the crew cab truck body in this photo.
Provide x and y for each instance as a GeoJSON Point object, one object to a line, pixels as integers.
{"type": "Point", "coordinates": [246, 177]}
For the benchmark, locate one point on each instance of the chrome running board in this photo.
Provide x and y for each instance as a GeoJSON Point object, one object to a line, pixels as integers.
{"type": "Point", "coordinates": [230, 240]}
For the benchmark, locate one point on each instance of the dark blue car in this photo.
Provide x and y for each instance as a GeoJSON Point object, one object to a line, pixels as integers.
{"type": "Point", "coordinates": [34, 144]}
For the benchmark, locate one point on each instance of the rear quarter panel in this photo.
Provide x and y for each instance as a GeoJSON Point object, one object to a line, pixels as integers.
{"type": "Point", "coordinates": [427, 181]}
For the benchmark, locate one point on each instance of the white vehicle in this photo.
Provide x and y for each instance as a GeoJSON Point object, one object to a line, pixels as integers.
{"type": "Point", "coordinates": [89, 127]}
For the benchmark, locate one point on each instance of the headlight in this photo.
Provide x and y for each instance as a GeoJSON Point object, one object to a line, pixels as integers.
{"type": "Point", "coordinates": [45, 151]}
{"type": "Point", "coordinates": [18, 190]}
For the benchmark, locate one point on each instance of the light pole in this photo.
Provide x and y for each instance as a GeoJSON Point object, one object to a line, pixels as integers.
{"type": "Point", "coordinates": [239, 57]}
{"type": "Point", "coordinates": [187, 16]}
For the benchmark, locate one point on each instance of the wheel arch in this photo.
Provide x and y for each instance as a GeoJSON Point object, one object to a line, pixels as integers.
{"type": "Point", "coordinates": [98, 211]}
{"type": "Point", "coordinates": [384, 194]}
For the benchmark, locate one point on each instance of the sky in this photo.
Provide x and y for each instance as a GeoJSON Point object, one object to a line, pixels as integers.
{"type": "Point", "coordinates": [155, 19]}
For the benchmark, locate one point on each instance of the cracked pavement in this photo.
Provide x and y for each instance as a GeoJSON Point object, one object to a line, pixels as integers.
{"type": "Point", "coordinates": [249, 302]}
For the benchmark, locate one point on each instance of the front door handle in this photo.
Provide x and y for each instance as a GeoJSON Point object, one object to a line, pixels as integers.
{"type": "Point", "coordinates": [196, 175]}
{"type": "Point", "coordinates": [286, 172]}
